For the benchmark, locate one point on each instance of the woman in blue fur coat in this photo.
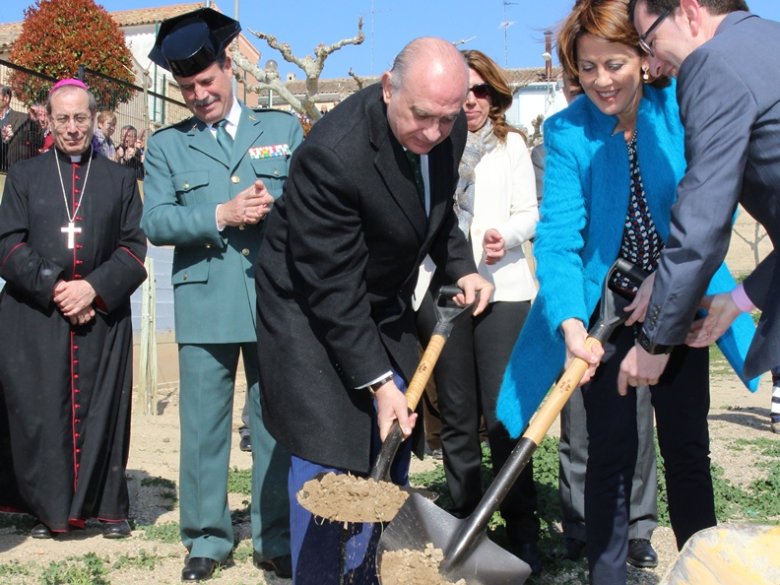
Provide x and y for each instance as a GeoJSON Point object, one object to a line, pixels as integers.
{"type": "Point", "coordinates": [614, 158]}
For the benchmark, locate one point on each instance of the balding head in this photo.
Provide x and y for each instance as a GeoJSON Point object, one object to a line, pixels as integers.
{"type": "Point", "coordinates": [424, 92]}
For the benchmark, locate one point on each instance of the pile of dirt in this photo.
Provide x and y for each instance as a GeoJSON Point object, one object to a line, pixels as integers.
{"type": "Point", "coordinates": [346, 498]}
{"type": "Point", "coordinates": [414, 567]}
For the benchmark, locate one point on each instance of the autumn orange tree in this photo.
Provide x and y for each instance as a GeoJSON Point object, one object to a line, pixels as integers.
{"type": "Point", "coordinates": [60, 35]}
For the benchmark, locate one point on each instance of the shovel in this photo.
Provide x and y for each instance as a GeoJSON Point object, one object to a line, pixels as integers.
{"type": "Point", "coordinates": [468, 552]}
{"type": "Point", "coordinates": [447, 312]}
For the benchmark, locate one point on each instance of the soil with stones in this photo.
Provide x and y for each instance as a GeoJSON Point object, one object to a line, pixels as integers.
{"type": "Point", "coordinates": [347, 498]}
{"type": "Point", "coordinates": [407, 567]}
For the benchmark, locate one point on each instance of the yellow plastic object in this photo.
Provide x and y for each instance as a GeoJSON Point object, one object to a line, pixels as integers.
{"type": "Point", "coordinates": [729, 554]}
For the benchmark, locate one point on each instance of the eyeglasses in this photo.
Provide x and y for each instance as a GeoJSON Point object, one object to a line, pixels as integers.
{"type": "Point", "coordinates": [480, 90]}
{"type": "Point", "coordinates": [643, 44]}
{"type": "Point", "coordinates": [81, 121]}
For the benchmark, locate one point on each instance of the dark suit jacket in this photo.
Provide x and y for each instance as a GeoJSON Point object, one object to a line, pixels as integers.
{"type": "Point", "coordinates": [730, 105]}
{"type": "Point", "coordinates": [14, 119]}
{"type": "Point", "coordinates": [335, 275]}
{"type": "Point", "coordinates": [26, 142]}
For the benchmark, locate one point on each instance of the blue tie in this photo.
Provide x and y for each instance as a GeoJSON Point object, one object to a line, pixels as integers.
{"type": "Point", "coordinates": [224, 139]}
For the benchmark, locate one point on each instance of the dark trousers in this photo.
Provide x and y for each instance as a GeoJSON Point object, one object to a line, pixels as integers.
{"type": "Point", "coordinates": [468, 377]}
{"type": "Point", "coordinates": [573, 452]}
{"type": "Point", "coordinates": [681, 401]}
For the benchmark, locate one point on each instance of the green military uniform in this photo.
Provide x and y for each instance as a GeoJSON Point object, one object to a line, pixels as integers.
{"type": "Point", "coordinates": [187, 175]}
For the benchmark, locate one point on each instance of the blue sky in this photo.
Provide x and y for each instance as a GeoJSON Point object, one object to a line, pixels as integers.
{"type": "Point", "coordinates": [389, 24]}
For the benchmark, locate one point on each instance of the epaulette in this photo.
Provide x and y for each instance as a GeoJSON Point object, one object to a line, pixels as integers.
{"type": "Point", "coordinates": [274, 110]}
{"type": "Point", "coordinates": [183, 125]}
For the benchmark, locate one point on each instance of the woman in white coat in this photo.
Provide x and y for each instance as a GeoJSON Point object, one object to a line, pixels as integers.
{"type": "Point", "coordinates": [496, 205]}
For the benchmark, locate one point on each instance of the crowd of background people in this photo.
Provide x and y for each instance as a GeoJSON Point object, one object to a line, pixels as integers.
{"type": "Point", "coordinates": [25, 137]}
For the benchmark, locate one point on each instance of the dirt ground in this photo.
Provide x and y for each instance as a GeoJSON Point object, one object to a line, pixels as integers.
{"type": "Point", "coordinates": [154, 453]}
{"type": "Point", "coordinates": [735, 413]}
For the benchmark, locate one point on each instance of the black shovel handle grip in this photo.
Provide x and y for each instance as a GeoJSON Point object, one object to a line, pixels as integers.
{"type": "Point", "coordinates": [390, 445]}
{"type": "Point", "coordinates": [633, 272]}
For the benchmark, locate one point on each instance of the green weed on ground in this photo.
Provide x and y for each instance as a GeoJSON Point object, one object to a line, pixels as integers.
{"type": "Point", "coordinates": [167, 532]}
{"type": "Point", "coordinates": [143, 560]}
{"type": "Point", "coordinates": [12, 569]}
{"type": "Point", "coordinates": [87, 570]}
{"type": "Point", "coordinates": [240, 481]}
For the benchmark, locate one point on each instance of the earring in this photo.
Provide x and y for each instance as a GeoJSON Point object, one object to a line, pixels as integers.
{"type": "Point", "coordinates": [645, 73]}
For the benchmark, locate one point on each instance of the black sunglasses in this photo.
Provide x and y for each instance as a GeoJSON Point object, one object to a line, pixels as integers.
{"type": "Point", "coordinates": [481, 90]}
{"type": "Point", "coordinates": [643, 44]}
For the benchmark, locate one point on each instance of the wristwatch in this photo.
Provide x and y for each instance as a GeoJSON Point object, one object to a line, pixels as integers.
{"type": "Point", "coordinates": [374, 386]}
{"type": "Point", "coordinates": [650, 347]}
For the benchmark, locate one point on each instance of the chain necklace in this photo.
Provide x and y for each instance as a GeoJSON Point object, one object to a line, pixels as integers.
{"type": "Point", "coordinates": [71, 228]}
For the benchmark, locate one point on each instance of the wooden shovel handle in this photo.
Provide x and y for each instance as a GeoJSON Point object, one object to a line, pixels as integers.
{"type": "Point", "coordinates": [414, 392]}
{"type": "Point", "coordinates": [424, 370]}
{"type": "Point", "coordinates": [558, 396]}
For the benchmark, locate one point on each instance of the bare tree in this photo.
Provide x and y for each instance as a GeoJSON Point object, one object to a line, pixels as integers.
{"type": "Point", "coordinates": [754, 242]}
{"type": "Point", "coordinates": [361, 81]}
{"type": "Point", "coordinates": [311, 66]}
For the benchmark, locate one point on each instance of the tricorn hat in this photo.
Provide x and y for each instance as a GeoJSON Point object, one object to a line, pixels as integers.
{"type": "Point", "coordinates": [188, 43]}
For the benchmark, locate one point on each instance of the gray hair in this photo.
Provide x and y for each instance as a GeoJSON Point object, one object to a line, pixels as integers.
{"type": "Point", "coordinates": [5, 91]}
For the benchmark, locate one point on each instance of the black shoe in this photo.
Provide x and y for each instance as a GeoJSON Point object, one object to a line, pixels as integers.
{"type": "Point", "coordinates": [198, 569]}
{"type": "Point", "coordinates": [281, 566]}
{"type": "Point", "coordinates": [40, 531]}
{"type": "Point", "coordinates": [116, 529]}
{"type": "Point", "coordinates": [642, 554]}
{"type": "Point", "coordinates": [246, 443]}
{"type": "Point", "coordinates": [573, 549]}
{"type": "Point", "coordinates": [529, 553]}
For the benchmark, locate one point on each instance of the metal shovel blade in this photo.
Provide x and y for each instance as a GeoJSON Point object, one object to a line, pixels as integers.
{"type": "Point", "coordinates": [420, 522]}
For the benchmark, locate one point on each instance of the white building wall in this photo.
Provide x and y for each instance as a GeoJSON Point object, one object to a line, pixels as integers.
{"type": "Point", "coordinates": [529, 102]}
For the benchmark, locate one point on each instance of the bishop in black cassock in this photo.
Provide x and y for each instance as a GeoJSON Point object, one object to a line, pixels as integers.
{"type": "Point", "coordinates": [66, 381]}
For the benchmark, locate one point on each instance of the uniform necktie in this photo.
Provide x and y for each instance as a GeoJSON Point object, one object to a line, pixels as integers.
{"type": "Point", "coordinates": [224, 139]}
{"type": "Point", "coordinates": [414, 161]}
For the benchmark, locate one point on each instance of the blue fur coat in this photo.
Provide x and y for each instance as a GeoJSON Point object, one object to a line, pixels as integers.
{"type": "Point", "coordinates": [586, 193]}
